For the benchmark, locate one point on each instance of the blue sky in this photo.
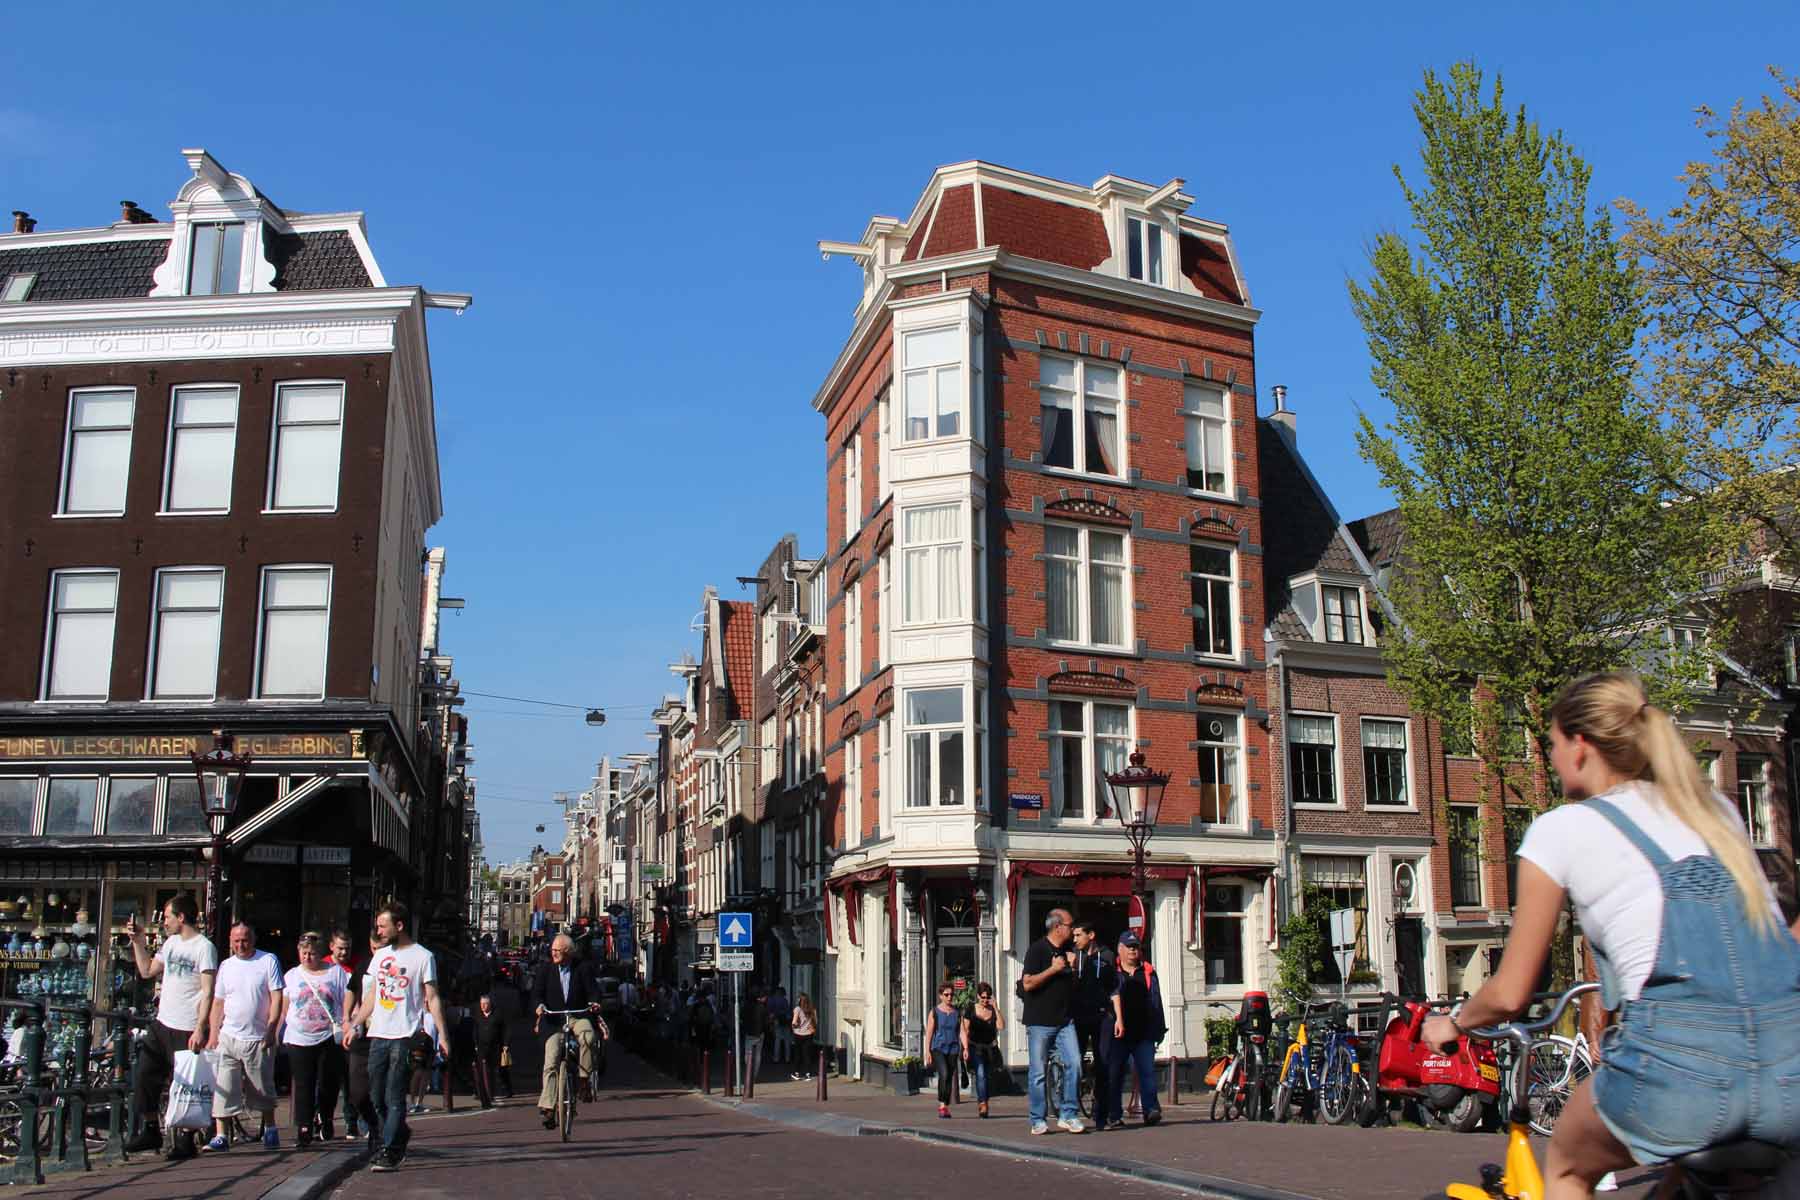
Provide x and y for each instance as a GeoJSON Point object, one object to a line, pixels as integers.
{"type": "Point", "coordinates": [633, 194]}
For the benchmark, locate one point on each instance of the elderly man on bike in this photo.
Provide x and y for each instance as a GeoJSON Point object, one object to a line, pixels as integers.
{"type": "Point", "coordinates": [560, 985]}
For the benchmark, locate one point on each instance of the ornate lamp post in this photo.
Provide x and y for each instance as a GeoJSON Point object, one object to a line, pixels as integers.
{"type": "Point", "coordinates": [220, 774]}
{"type": "Point", "coordinates": [1137, 795]}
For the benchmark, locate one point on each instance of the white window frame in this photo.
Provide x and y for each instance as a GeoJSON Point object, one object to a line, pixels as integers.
{"type": "Point", "coordinates": [156, 615]}
{"type": "Point", "coordinates": [169, 445]}
{"type": "Point", "coordinates": [1337, 759]}
{"type": "Point", "coordinates": [223, 269]}
{"type": "Point", "coordinates": [934, 371]}
{"type": "Point", "coordinates": [933, 557]}
{"type": "Point", "coordinates": [852, 483]}
{"type": "Point", "coordinates": [16, 288]}
{"type": "Point", "coordinates": [1089, 741]}
{"type": "Point", "coordinates": [1230, 580]}
{"type": "Point", "coordinates": [1406, 759]}
{"type": "Point", "coordinates": [1240, 782]}
{"type": "Point", "coordinates": [887, 782]}
{"type": "Point", "coordinates": [39, 789]}
{"type": "Point", "coordinates": [1247, 894]}
{"type": "Point", "coordinates": [51, 613]}
{"type": "Point", "coordinates": [106, 802]}
{"type": "Point", "coordinates": [962, 725]}
{"type": "Point", "coordinates": [1142, 233]}
{"type": "Point", "coordinates": [94, 825]}
{"type": "Point", "coordinates": [1687, 638]}
{"type": "Point", "coordinates": [853, 773]}
{"type": "Point", "coordinates": [262, 623]}
{"type": "Point", "coordinates": [771, 642]}
{"type": "Point", "coordinates": [1755, 800]}
{"type": "Point", "coordinates": [884, 612]}
{"type": "Point", "coordinates": [1362, 638]}
{"type": "Point", "coordinates": [1079, 397]}
{"type": "Point", "coordinates": [68, 456]}
{"type": "Point", "coordinates": [1194, 425]}
{"type": "Point", "coordinates": [1085, 569]}
{"type": "Point", "coordinates": [275, 428]}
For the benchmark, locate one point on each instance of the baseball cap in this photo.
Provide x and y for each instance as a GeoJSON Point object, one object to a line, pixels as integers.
{"type": "Point", "coordinates": [1129, 938]}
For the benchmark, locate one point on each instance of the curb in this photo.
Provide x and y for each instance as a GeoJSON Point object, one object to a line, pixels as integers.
{"type": "Point", "coordinates": [319, 1176]}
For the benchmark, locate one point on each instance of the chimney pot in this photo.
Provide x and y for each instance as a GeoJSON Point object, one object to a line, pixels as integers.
{"type": "Point", "coordinates": [1281, 415]}
{"type": "Point", "coordinates": [131, 214]}
{"type": "Point", "coordinates": [22, 222]}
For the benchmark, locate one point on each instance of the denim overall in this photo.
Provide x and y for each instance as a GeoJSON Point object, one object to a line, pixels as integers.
{"type": "Point", "coordinates": [1710, 1051]}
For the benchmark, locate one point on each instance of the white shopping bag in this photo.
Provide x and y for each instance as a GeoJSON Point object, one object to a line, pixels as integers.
{"type": "Point", "coordinates": [191, 1091]}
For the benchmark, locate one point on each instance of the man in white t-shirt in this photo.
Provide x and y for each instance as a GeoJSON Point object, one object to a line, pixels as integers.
{"type": "Point", "coordinates": [400, 985]}
{"type": "Point", "coordinates": [186, 963]}
{"type": "Point", "coordinates": [248, 1002]}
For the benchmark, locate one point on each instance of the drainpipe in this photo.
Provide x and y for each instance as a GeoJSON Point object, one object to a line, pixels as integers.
{"type": "Point", "coordinates": [1282, 843]}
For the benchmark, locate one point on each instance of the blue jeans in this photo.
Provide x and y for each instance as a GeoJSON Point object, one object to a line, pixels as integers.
{"type": "Point", "coordinates": [978, 1068]}
{"type": "Point", "coordinates": [1141, 1057]}
{"type": "Point", "coordinates": [1041, 1038]}
{"type": "Point", "coordinates": [390, 1064]}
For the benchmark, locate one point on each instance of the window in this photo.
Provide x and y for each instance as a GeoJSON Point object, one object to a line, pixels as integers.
{"type": "Point", "coordinates": [17, 287]}
{"type": "Point", "coordinates": [1753, 798]}
{"type": "Point", "coordinates": [1687, 639]}
{"type": "Point", "coordinates": [1332, 882]}
{"type": "Point", "coordinates": [1088, 741]}
{"type": "Point", "coordinates": [130, 805]}
{"type": "Point", "coordinates": [78, 661]}
{"type": "Point", "coordinates": [853, 635]}
{"type": "Point", "coordinates": [770, 754]}
{"type": "Point", "coordinates": [933, 383]}
{"type": "Point", "coordinates": [770, 643]}
{"type": "Point", "coordinates": [296, 602]}
{"type": "Point", "coordinates": [1384, 763]}
{"type": "Point", "coordinates": [71, 806]}
{"type": "Point", "coordinates": [1515, 820]}
{"type": "Point", "coordinates": [1079, 404]}
{"type": "Point", "coordinates": [1465, 857]}
{"type": "Point", "coordinates": [97, 458]}
{"type": "Point", "coordinates": [1458, 733]}
{"type": "Point", "coordinates": [933, 559]}
{"type": "Point", "coordinates": [1084, 585]}
{"type": "Point", "coordinates": [1312, 758]}
{"type": "Point", "coordinates": [18, 805]}
{"type": "Point", "coordinates": [852, 484]}
{"type": "Point", "coordinates": [1143, 249]}
{"type": "Point", "coordinates": [1223, 935]}
{"type": "Point", "coordinates": [1210, 580]}
{"type": "Point", "coordinates": [185, 642]}
{"type": "Point", "coordinates": [1343, 614]}
{"type": "Point", "coordinates": [1790, 658]}
{"type": "Point", "coordinates": [1205, 413]}
{"type": "Point", "coordinates": [202, 438]}
{"type": "Point", "coordinates": [884, 612]}
{"type": "Point", "coordinates": [853, 814]}
{"type": "Point", "coordinates": [1219, 743]}
{"type": "Point", "coordinates": [1515, 738]}
{"type": "Point", "coordinates": [309, 429]}
{"type": "Point", "coordinates": [216, 264]}
{"type": "Point", "coordinates": [934, 747]}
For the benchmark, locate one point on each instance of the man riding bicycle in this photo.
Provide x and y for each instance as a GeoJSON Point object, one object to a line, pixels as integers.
{"type": "Point", "coordinates": [561, 985]}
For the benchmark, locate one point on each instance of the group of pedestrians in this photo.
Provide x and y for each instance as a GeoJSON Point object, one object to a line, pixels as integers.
{"type": "Point", "coordinates": [343, 1032]}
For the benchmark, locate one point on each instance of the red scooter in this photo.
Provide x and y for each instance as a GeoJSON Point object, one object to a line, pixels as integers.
{"type": "Point", "coordinates": [1454, 1091]}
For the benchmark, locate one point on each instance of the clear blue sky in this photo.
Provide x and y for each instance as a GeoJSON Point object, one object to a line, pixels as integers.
{"type": "Point", "coordinates": [633, 194]}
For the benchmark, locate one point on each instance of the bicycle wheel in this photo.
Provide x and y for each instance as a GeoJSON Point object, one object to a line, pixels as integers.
{"type": "Point", "coordinates": [1053, 1072]}
{"type": "Point", "coordinates": [1284, 1098]}
{"type": "Point", "coordinates": [1337, 1089]}
{"type": "Point", "coordinates": [566, 1090]}
{"type": "Point", "coordinates": [1556, 1065]}
{"type": "Point", "coordinates": [1084, 1093]}
{"type": "Point", "coordinates": [1223, 1091]}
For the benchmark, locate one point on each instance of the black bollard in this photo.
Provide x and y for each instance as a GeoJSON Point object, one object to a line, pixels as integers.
{"type": "Point", "coordinates": [119, 1118]}
{"type": "Point", "coordinates": [71, 1107]}
{"type": "Point", "coordinates": [28, 1167]}
{"type": "Point", "coordinates": [706, 1072]}
{"type": "Point", "coordinates": [821, 1076]}
{"type": "Point", "coordinates": [1174, 1080]}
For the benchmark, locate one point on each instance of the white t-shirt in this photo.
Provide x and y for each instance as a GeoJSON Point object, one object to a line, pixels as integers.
{"type": "Point", "coordinates": [315, 1005]}
{"type": "Point", "coordinates": [245, 985]}
{"type": "Point", "coordinates": [1614, 887]}
{"type": "Point", "coordinates": [184, 961]}
{"type": "Point", "coordinates": [397, 979]}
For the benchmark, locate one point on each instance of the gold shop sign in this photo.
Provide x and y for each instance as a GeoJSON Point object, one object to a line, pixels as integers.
{"type": "Point", "coordinates": [134, 745]}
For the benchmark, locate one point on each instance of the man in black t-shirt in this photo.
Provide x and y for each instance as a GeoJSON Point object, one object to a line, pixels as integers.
{"type": "Point", "coordinates": [1091, 1008]}
{"type": "Point", "coordinates": [1049, 985]}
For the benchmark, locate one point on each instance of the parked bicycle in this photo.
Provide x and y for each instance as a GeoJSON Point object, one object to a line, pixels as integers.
{"type": "Point", "coordinates": [1086, 1081]}
{"type": "Point", "coordinates": [1242, 1088]}
{"type": "Point", "coordinates": [1322, 1070]}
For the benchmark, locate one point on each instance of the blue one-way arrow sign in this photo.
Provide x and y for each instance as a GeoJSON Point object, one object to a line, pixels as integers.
{"type": "Point", "coordinates": [734, 931]}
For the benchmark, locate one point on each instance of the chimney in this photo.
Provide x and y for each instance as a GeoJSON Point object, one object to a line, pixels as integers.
{"type": "Point", "coordinates": [131, 214]}
{"type": "Point", "coordinates": [1281, 415]}
{"type": "Point", "coordinates": [22, 222]}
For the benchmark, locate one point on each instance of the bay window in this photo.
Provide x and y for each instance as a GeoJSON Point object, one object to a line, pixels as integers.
{"type": "Point", "coordinates": [932, 555]}
{"type": "Point", "coordinates": [1210, 581]}
{"type": "Point", "coordinates": [1219, 787]}
{"type": "Point", "coordinates": [1079, 403]}
{"type": "Point", "coordinates": [1088, 741]}
{"type": "Point", "coordinates": [933, 385]}
{"type": "Point", "coordinates": [1205, 413]}
{"type": "Point", "coordinates": [78, 659]}
{"type": "Point", "coordinates": [934, 747]}
{"type": "Point", "coordinates": [1084, 585]}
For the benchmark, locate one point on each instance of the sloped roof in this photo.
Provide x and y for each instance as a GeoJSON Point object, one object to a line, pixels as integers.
{"type": "Point", "coordinates": [1300, 531]}
{"type": "Point", "coordinates": [1207, 267]}
{"type": "Point", "coordinates": [112, 270]}
{"type": "Point", "coordinates": [312, 262]}
{"type": "Point", "coordinates": [737, 621]}
{"type": "Point", "coordinates": [1044, 229]}
{"type": "Point", "coordinates": [1379, 536]}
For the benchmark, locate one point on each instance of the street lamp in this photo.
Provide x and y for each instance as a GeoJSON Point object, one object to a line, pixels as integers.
{"type": "Point", "coordinates": [1137, 795]}
{"type": "Point", "coordinates": [220, 774]}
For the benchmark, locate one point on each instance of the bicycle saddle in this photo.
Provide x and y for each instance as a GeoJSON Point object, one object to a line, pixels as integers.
{"type": "Point", "coordinates": [1747, 1154]}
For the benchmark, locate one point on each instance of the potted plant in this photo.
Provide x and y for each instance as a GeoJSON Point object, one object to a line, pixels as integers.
{"type": "Point", "coordinates": [905, 1075]}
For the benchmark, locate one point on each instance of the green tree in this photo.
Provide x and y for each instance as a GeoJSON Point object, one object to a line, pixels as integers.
{"type": "Point", "coordinates": [1531, 479]}
{"type": "Point", "coordinates": [1722, 273]}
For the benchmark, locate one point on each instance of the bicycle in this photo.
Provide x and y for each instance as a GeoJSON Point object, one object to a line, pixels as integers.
{"type": "Point", "coordinates": [1709, 1174]}
{"type": "Point", "coordinates": [1084, 1086]}
{"type": "Point", "coordinates": [1328, 1075]}
{"type": "Point", "coordinates": [568, 1066]}
{"type": "Point", "coordinates": [1242, 1087]}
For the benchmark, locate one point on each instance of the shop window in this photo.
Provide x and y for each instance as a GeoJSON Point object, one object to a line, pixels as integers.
{"type": "Point", "coordinates": [184, 812]}
{"type": "Point", "coordinates": [1465, 857]}
{"type": "Point", "coordinates": [1222, 934]}
{"type": "Point", "coordinates": [1219, 787]}
{"type": "Point", "coordinates": [1384, 763]}
{"type": "Point", "coordinates": [18, 805]}
{"type": "Point", "coordinates": [896, 976]}
{"type": "Point", "coordinates": [1312, 750]}
{"type": "Point", "coordinates": [130, 805]}
{"type": "Point", "coordinates": [70, 810]}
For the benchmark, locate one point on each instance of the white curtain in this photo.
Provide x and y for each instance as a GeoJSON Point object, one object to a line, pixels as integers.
{"type": "Point", "coordinates": [1108, 587]}
{"type": "Point", "coordinates": [1062, 582]}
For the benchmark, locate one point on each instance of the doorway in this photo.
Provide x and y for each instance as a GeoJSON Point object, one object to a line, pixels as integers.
{"type": "Point", "coordinates": [955, 960]}
{"type": "Point", "coordinates": [1409, 957]}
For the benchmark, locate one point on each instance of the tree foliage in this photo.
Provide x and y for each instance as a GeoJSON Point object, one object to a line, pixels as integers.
{"type": "Point", "coordinates": [1531, 478]}
{"type": "Point", "coordinates": [1722, 274]}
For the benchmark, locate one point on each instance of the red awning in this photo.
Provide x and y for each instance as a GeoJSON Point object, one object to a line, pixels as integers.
{"type": "Point", "coordinates": [1091, 879]}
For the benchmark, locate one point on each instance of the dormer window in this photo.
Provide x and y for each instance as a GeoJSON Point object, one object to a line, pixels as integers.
{"type": "Point", "coordinates": [16, 288]}
{"type": "Point", "coordinates": [215, 259]}
{"type": "Point", "coordinates": [1144, 249]}
{"type": "Point", "coordinates": [1343, 613]}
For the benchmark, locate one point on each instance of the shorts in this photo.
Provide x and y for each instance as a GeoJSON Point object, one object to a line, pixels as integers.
{"type": "Point", "coordinates": [244, 1074]}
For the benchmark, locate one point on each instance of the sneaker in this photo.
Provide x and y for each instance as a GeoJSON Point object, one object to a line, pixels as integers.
{"type": "Point", "coordinates": [219, 1142]}
{"type": "Point", "coordinates": [374, 1143]}
{"type": "Point", "coordinates": [548, 1117]}
{"type": "Point", "coordinates": [1071, 1125]}
{"type": "Point", "coordinates": [1609, 1182]}
{"type": "Point", "coordinates": [1153, 1117]}
{"type": "Point", "coordinates": [302, 1139]}
{"type": "Point", "coordinates": [145, 1142]}
{"type": "Point", "coordinates": [415, 1110]}
{"type": "Point", "coordinates": [383, 1161]}
{"type": "Point", "coordinates": [1116, 1123]}
{"type": "Point", "coordinates": [397, 1155]}
{"type": "Point", "coordinates": [271, 1138]}
{"type": "Point", "coordinates": [944, 1112]}
{"type": "Point", "coordinates": [1039, 1129]}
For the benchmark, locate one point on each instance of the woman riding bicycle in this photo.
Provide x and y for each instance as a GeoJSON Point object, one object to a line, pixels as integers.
{"type": "Point", "coordinates": [1688, 937]}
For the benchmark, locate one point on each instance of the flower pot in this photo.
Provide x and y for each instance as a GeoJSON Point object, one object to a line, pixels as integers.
{"type": "Point", "coordinates": [905, 1078]}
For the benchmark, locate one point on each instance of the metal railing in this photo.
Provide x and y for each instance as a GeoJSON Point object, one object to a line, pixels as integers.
{"type": "Point", "coordinates": [53, 1102]}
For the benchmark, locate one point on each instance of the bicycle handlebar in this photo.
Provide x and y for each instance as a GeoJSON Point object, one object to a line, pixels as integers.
{"type": "Point", "coordinates": [567, 1012]}
{"type": "Point", "coordinates": [1521, 1031]}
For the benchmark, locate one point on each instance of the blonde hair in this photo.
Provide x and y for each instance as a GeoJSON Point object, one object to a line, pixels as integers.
{"type": "Point", "coordinates": [1636, 738]}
